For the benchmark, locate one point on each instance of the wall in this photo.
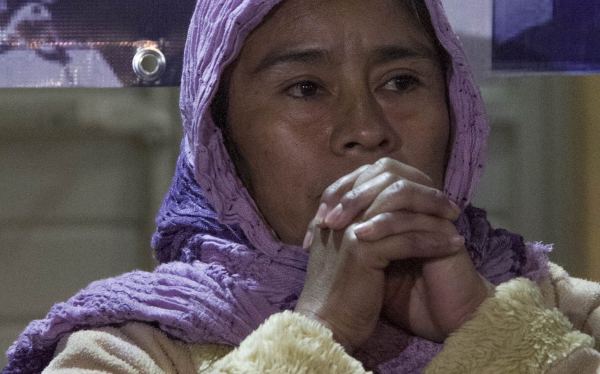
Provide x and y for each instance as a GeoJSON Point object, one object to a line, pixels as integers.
{"type": "Point", "coordinates": [82, 173]}
{"type": "Point", "coordinates": [589, 157]}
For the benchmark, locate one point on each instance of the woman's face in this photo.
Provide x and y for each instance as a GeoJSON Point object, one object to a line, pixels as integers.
{"type": "Point", "coordinates": [323, 87]}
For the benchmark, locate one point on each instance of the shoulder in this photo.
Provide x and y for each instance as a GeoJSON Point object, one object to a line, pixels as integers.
{"type": "Point", "coordinates": [133, 347]}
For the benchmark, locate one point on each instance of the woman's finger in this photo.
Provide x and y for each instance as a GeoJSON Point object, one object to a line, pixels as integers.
{"type": "Point", "coordinates": [418, 244]}
{"type": "Point", "coordinates": [414, 197]}
{"type": "Point", "coordinates": [386, 193]}
{"type": "Point", "coordinates": [367, 186]}
{"type": "Point", "coordinates": [400, 222]}
{"type": "Point", "coordinates": [402, 170]}
{"type": "Point", "coordinates": [357, 199]}
{"type": "Point", "coordinates": [337, 189]}
{"type": "Point", "coordinates": [332, 194]}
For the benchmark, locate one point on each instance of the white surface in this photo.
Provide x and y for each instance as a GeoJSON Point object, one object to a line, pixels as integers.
{"type": "Point", "coordinates": [24, 68]}
{"type": "Point", "coordinates": [470, 17]}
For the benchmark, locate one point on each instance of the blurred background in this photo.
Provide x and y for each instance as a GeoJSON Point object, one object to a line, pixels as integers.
{"type": "Point", "coordinates": [83, 172]}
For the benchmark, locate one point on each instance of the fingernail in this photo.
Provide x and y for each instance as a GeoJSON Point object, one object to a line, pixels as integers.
{"type": "Point", "coordinates": [308, 238]}
{"type": "Point", "coordinates": [321, 212]}
{"type": "Point", "coordinates": [334, 215]}
{"type": "Point", "coordinates": [363, 229]}
{"type": "Point", "coordinates": [457, 241]}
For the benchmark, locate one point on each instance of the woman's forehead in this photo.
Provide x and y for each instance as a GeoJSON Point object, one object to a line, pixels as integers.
{"type": "Point", "coordinates": [334, 25]}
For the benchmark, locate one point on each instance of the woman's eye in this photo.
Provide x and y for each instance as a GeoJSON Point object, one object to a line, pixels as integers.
{"type": "Point", "coordinates": [402, 83]}
{"type": "Point", "coordinates": [304, 89]}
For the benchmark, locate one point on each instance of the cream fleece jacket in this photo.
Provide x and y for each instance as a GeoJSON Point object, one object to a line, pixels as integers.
{"type": "Point", "coordinates": [524, 328]}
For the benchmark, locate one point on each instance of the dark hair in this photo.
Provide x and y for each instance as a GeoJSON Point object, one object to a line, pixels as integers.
{"type": "Point", "coordinates": [421, 13]}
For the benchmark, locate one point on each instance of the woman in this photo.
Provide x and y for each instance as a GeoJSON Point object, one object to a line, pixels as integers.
{"type": "Point", "coordinates": [351, 118]}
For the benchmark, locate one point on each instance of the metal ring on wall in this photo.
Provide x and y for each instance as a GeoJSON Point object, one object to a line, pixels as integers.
{"type": "Point", "coordinates": [149, 64]}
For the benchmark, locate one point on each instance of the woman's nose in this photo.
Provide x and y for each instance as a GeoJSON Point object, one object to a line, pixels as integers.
{"type": "Point", "coordinates": [361, 127]}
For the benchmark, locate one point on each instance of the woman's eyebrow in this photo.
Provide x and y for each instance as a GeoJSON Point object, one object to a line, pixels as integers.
{"type": "Point", "coordinates": [304, 56]}
{"type": "Point", "coordinates": [379, 55]}
{"type": "Point", "coordinates": [389, 53]}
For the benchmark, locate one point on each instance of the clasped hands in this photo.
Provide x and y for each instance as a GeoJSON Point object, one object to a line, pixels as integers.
{"type": "Point", "coordinates": [383, 242]}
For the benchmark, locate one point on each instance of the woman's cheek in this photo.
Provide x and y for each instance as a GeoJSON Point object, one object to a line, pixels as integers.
{"type": "Point", "coordinates": [284, 197]}
{"type": "Point", "coordinates": [305, 112]}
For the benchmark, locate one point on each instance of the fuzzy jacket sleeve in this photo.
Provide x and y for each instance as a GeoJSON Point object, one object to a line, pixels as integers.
{"type": "Point", "coordinates": [522, 330]}
{"type": "Point", "coordinates": [286, 343]}
{"type": "Point", "coordinates": [578, 299]}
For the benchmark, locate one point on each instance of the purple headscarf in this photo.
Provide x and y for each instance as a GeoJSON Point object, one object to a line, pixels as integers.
{"type": "Point", "coordinates": [223, 272]}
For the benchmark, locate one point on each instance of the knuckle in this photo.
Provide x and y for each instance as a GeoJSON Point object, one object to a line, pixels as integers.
{"type": "Point", "coordinates": [385, 162]}
{"type": "Point", "coordinates": [384, 221]}
{"type": "Point", "coordinates": [349, 197]}
{"type": "Point", "coordinates": [330, 192]}
{"type": "Point", "coordinates": [401, 186]}
{"type": "Point", "coordinates": [388, 177]}
{"type": "Point", "coordinates": [363, 168]}
{"type": "Point", "coordinates": [369, 171]}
